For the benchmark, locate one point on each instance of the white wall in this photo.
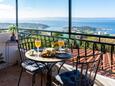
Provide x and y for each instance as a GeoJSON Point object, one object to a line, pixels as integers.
{"type": "Point", "coordinates": [9, 49]}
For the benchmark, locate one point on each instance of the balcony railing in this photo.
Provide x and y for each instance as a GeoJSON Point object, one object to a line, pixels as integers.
{"type": "Point", "coordinates": [83, 43]}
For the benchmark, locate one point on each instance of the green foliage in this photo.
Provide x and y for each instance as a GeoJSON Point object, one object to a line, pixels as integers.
{"type": "Point", "coordinates": [12, 28]}
{"type": "Point", "coordinates": [47, 40]}
{"type": "Point", "coordinates": [57, 34]}
{"type": "Point", "coordinates": [92, 38]}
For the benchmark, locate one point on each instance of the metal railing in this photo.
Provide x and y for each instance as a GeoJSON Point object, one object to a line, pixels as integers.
{"type": "Point", "coordinates": [80, 42]}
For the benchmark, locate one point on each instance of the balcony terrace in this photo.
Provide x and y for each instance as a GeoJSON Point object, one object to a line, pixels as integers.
{"type": "Point", "coordinates": [80, 46]}
{"type": "Point", "coordinates": [84, 46]}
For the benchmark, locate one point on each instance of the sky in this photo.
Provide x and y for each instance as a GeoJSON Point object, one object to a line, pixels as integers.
{"type": "Point", "coordinates": [57, 8]}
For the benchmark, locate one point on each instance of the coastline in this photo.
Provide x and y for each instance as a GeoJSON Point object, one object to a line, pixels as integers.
{"type": "Point", "coordinates": [102, 27]}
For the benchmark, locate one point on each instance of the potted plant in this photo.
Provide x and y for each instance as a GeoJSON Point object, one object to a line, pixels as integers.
{"type": "Point", "coordinates": [13, 29]}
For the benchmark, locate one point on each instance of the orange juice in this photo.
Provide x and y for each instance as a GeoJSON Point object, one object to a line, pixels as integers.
{"type": "Point", "coordinates": [61, 43]}
{"type": "Point", "coordinates": [37, 43]}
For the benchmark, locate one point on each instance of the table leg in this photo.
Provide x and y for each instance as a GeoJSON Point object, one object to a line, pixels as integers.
{"type": "Point", "coordinates": [49, 78]}
{"type": "Point", "coordinates": [49, 73]}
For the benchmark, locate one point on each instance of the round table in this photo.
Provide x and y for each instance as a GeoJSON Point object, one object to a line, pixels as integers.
{"type": "Point", "coordinates": [45, 60]}
{"type": "Point", "coordinates": [36, 57]}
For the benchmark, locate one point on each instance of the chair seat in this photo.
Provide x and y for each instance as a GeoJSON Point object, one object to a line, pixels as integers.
{"type": "Point", "coordinates": [31, 65]}
{"type": "Point", "coordinates": [72, 78]}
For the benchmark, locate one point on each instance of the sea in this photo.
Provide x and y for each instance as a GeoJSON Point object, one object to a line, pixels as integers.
{"type": "Point", "coordinates": [107, 25]}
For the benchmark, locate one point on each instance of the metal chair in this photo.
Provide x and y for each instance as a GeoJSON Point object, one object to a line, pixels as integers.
{"type": "Point", "coordinates": [84, 72]}
{"type": "Point", "coordinates": [32, 67]}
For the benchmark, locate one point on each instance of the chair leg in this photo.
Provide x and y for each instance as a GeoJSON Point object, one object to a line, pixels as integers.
{"type": "Point", "coordinates": [41, 78]}
{"type": "Point", "coordinates": [20, 76]}
{"type": "Point", "coordinates": [33, 79]}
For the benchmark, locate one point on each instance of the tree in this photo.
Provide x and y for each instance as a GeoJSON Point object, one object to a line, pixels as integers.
{"type": "Point", "coordinates": [13, 29]}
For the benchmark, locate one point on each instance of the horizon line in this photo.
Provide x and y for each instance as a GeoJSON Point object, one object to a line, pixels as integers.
{"type": "Point", "coordinates": [57, 17]}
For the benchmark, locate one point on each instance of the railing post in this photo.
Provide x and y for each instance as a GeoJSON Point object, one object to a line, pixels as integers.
{"type": "Point", "coordinates": [86, 48]}
{"type": "Point", "coordinates": [51, 34]}
{"type": "Point", "coordinates": [112, 49]}
{"type": "Point", "coordinates": [99, 39]}
{"type": "Point", "coordinates": [17, 16]}
{"type": "Point", "coordinates": [70, 17]}
{"type": "Point", "coordinates": [102, 57]}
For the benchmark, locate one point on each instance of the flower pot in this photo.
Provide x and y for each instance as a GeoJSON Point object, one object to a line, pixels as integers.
{"type": "Point", "coordinates": [13, 38]}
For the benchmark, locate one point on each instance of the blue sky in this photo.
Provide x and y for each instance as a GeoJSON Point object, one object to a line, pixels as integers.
{"type": "Point", "coordinates": [57, 8]}
{"type": "Point", "coordinates": [94, 8]}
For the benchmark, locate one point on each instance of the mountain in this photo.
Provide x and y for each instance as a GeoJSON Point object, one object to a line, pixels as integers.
{"type": "Point", "coordinates": [24, 25]}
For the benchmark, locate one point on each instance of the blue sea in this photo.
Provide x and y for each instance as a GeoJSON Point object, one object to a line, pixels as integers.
{"type": "Point", "coordinates": [108, 24]}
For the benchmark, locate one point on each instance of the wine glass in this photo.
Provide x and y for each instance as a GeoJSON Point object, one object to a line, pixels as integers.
{"type": "Point", "coordinates": [60, 43]}
{"type": "Point", "coordinates": [37, 44]}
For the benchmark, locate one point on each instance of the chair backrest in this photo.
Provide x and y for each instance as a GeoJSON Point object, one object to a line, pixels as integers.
{"type": "Point", "coordinates": [24, 44]}
{"type": "Point", "coordinates": [87, 67]}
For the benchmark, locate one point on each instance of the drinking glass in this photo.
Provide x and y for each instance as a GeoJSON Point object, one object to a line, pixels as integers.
{"type": "Point", "coordinates": [60, 43]}
{"type": "Point", "coordinates": [37, 44]}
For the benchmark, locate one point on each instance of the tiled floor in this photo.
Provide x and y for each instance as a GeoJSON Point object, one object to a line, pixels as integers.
{"type": "Point", "coordinates": [9, 77]}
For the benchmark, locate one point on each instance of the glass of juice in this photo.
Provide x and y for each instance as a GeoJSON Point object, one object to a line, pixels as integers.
{"type": "Point", "coordinates": [61, 44]}
{"type": "Point", "coordinates": [37, 44]}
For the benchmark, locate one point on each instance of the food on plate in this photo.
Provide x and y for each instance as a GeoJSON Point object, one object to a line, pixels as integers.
{"type": "Point", "coordinates": [48, 52]}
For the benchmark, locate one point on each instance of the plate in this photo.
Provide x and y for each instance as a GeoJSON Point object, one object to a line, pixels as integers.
{"type": "Point", "coordinates": [47, 56]}
{"type": "Point", "coordinates": [63, 55]}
